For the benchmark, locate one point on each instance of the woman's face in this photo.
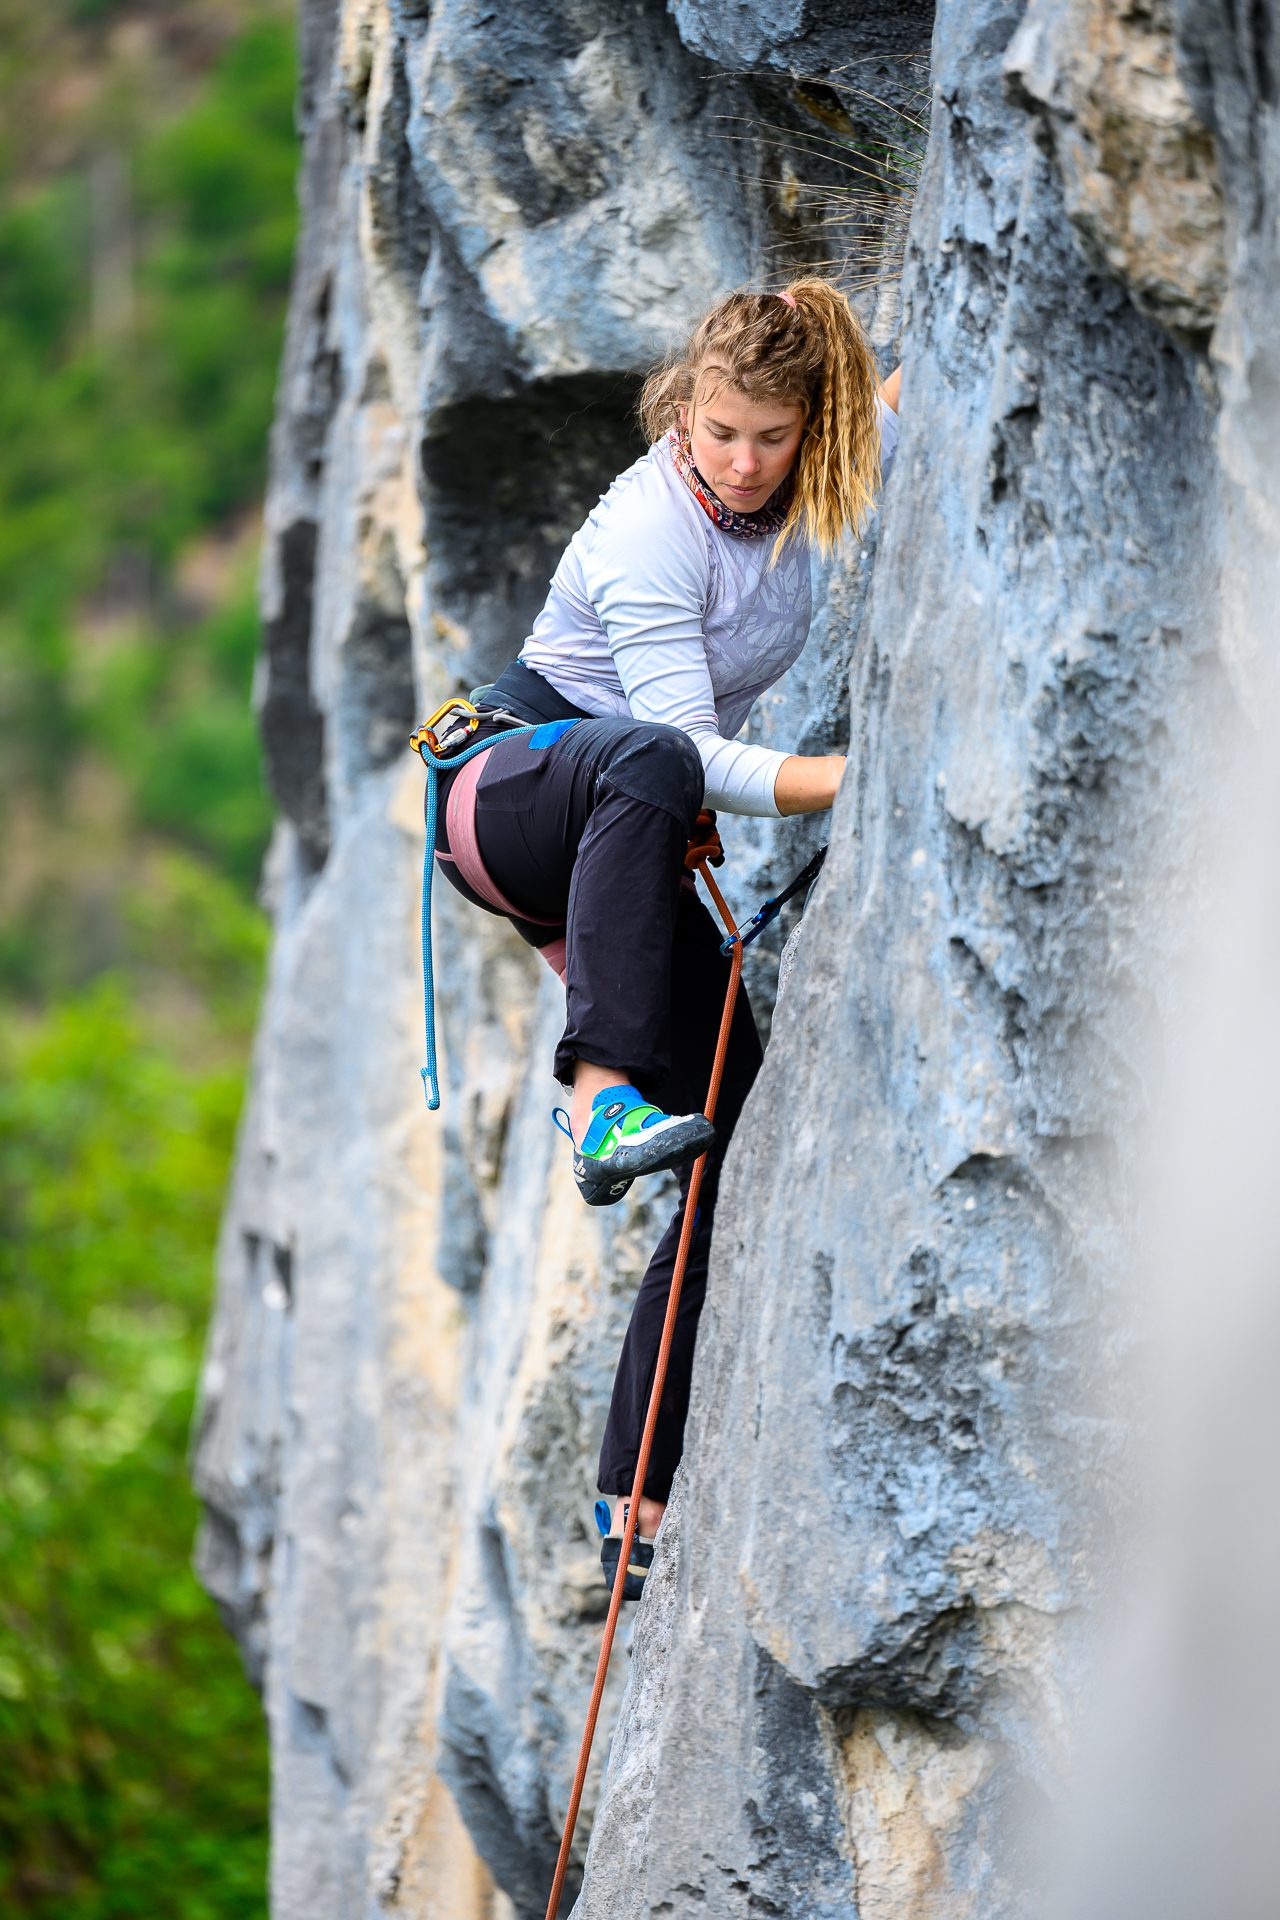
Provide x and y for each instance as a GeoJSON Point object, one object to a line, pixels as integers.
{"type": "Point", "coordinates": [744, 449]}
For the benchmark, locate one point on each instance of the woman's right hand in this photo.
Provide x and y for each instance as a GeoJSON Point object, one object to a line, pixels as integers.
{"type": "Point", "coordinates": [808, 782]}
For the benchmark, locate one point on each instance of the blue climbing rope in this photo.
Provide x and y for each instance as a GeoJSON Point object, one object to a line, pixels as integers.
{"type": "Point", "coordinates": [435, 767]}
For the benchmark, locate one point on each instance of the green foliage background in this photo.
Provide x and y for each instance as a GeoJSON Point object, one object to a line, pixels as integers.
{"type": "Point", "coordinates": [147, 165]}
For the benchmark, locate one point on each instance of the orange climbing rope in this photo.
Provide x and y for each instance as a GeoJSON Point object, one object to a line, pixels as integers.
{"type": "Point", "coordinates": [699, 853]}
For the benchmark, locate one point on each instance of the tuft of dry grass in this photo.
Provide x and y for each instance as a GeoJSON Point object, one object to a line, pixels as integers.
{"type": "Point", "coordinates": [843, 188]}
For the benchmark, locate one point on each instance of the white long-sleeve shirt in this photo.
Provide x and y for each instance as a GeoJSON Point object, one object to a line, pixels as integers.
{"type": "Point", "coordinates": [654, 611]}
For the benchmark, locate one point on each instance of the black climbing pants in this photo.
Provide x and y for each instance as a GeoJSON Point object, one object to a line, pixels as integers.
{"type": "Point", "coordinates": [593, 830]}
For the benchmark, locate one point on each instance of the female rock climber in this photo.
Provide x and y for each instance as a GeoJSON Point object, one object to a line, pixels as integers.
{"type": "Point", "coordinates": [684, 595]}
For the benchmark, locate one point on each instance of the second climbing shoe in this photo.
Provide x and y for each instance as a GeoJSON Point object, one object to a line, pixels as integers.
{"type": "Point", "coordinates": [627, 1137]}
{"type": "Point", "coordinates": [638, 1565]}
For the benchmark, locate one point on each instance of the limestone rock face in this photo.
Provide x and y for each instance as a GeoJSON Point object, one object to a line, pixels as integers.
{"type": "Point", "coordinates": [1139, 167]}
{"type": "Point", "coordinates": [853, 1677]}
{"type": "Point", "coordinates": [872, 1611]}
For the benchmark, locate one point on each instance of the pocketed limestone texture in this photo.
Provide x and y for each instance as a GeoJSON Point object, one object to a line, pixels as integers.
{"type": "Point", "coordinates": [853, 1678]}
{"type": "Point", "coordinates": [1139, 166]}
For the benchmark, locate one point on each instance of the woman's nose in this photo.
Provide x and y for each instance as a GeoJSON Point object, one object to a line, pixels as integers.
{"type": "Point", "coordinates": [745, 460]}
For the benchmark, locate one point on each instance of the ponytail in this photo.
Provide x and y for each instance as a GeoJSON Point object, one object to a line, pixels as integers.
{"type": "Point", "coordinates": [837, 470]}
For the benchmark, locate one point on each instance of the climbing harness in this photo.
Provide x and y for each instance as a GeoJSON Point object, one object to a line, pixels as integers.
{"type": "Point", "coordinates": [772, 908]}
{"type": "Point", "coordinates": [625, 1554]}
{"type": "Point", "coordinates": [442, 743]}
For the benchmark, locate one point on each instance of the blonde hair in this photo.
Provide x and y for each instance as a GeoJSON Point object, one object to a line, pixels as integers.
{"type": "Point", "coordinates": [805, 348]}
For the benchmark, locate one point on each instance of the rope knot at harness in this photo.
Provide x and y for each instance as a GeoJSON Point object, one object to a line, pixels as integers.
{"type": "Point", "coordinates": [704, 843]}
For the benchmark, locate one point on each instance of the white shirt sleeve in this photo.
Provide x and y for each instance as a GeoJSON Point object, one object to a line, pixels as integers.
{"type": "Point", "coordinates": [648, 576]}
{"type": "Point", "coordinates": [888, 435]}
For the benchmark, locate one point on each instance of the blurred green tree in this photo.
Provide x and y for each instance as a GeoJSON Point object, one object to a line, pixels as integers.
{"type": "Point", "coordinates": [146, 234]}
{"type": "Point", "coordinates": [131, 1750]}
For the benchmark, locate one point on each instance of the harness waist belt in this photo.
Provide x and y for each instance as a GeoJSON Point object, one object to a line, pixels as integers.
{"type": "Point", "coordinates": [527, 695]}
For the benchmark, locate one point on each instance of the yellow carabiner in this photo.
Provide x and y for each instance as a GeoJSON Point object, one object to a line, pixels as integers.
{"type": "Point", "coordinates": [428, 730]}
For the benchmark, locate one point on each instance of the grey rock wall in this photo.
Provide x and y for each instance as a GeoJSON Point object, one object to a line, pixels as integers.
{"type": "Point", "coordinates": [905, 1493]}
{"type": "Point", "coordinates": [852, 1681]}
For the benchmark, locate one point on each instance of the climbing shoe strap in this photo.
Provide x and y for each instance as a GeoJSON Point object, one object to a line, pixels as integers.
{"type": "Point", "coordinates": [616, 1114]}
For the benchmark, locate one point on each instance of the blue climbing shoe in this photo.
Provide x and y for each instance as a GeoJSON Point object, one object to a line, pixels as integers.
{"type": "Point", "coordinates": [611, 1548]}
{"type": "Point", "coordinates": [628, 1136]}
